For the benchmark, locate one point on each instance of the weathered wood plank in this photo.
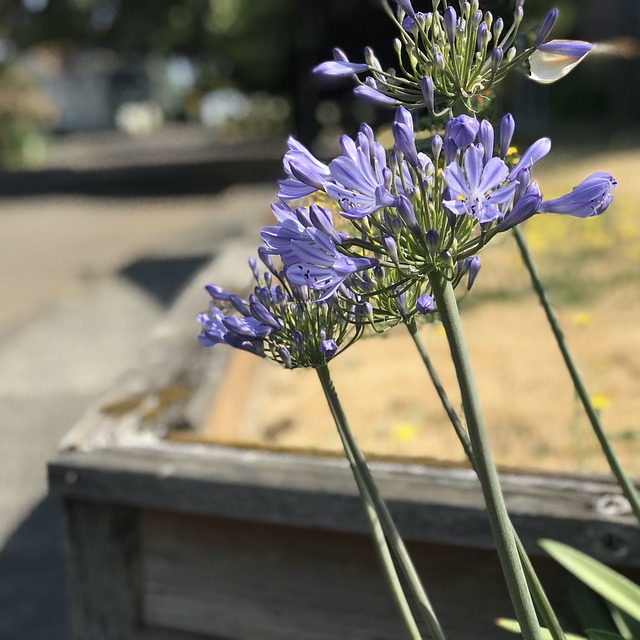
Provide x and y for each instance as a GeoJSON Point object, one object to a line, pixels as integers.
{"type": "Point", "coordinates": [430, 504]}
{"type": "Point", "coordinates": [104, 571]}
{"type": "Point", "coordinates": [264, 582]}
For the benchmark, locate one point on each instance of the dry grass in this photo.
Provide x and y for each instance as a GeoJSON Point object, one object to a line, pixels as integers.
{"type": "Point", "coordinates": [592, 269]}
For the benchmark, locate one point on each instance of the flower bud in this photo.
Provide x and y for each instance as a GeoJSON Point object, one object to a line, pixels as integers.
{"type": "Point", "coordinates": [476, 18]}
{"type": "Point", "coordinates": [450, 24]}
{"type": "Point", "coordinates": [438, 60]}
{"type": "Point", "coordinates": [507, 128]}
{"type": "Point", "coordinates": [285, 357]}
{"type": "Point", "coordinates": [483, 36]}
{"type": "Point", "coordinates": [495, 59]}
{"type": "Point", "coordinates": [488, 18]}
{"type": "Point", "coordinates": [427, 92]}
{"type": "Point", "coordinates": [498, 26]}
{"type": "Point", "coordinates": [425, 304]}
{"type": "Point", "coordinates": [462, 130]}
{"type": "Point", "coordinates": [391, 249]}
{"type": "Point", "coordinates": [405, 209]}
{"type": "Point", "coordinates": [518, 14]}
{"type": "Point", "coordinates": [545, 29]}
{"type": "Point", "coordinates": [511, 54]}
{"type": "Point", "coordinates": [486, 138]}
{"type": "Point", "coordinates": [432, 239]}
{"type": "Point", "coordinates": [436, 147]}
{"type": "Point", "coordinates": [405, 5]}
{"type": "Point", "coordinates": [474, 268]}
{"type": "Point", "coordinates": [401, 304]}
{"type": "Point", "coordinates": [328, 348]}
{"type": "Point", "coordinates": [447, 258]}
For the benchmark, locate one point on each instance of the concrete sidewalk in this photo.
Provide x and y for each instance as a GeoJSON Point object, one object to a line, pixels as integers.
{"type": "Point", "coordinates": [83, 280]}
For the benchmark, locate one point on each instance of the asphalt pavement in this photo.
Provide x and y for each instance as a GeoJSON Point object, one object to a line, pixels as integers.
{"type": "Point", "coordinates": [83, 281]}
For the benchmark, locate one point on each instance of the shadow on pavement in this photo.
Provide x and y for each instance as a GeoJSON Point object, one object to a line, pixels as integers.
{"type": "Point", "coordinates": [164, 278]}
{"type": "Point", "coordinates": [33, 590]}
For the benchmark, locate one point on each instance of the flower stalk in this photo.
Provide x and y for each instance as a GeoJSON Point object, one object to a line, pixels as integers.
{"type": "Point", "coordinates": [379, 517]}
{"type": "Point", "coordinates": [535, 587]}
{"type": "Point", "coordinates": [485, 466]}
{"type": "Point", "coordinates": [625, 483]}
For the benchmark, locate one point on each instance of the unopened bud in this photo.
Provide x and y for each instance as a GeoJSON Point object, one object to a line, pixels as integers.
{"type": "Point", "coordinates": [545, 29]}
{"type": "Point", "coordinates": [507, 128]}
{"type": "Point", "coordinates": [432, 239]}
{"type": "Point", "coordinates": [498, 26]}
{"type": "Point", "coordinates": [511, 54]}
{"type": "Point", "coordinates": [391, 249]}
{"type": "Point", "coordinates": [285, 357]}
{"type": "Point", "coordinates": [436, 147]}
{"type": "Point", "coordinates": [428, 92]}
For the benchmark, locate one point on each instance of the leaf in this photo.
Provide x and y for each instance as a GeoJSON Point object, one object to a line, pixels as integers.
{"type": "Point", "coordinates": [591, 609]}
{"type": "Point", "coordinates": [596, 634]}
{"type": "Point", "coordinates": [612, 586]}
{"type": "Point", "coordinates": [514, 627]}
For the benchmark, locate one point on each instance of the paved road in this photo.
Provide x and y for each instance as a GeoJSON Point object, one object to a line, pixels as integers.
{"type": "Point", "coordinates": [82, 280]}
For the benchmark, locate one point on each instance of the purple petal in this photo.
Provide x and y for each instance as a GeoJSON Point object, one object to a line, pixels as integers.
{"type": "Point", "coordinates": [473, 166]}
{"type": "Point", "coordinates": [493, 175]}
{"type": "Point", "coordinates": [339, 69]}
{"type": "Point", "coordinates": [373, 96]}
{"type": "Point", "coordinates": [535, 152]}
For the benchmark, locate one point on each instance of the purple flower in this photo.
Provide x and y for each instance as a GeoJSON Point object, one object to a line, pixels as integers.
{"type": "Point", "coordinates": [555, 59]}
{"type": "Point", "coordinates": [358, 178]}
{"type": "Point", "coordinates": [590, 198]}
{"type": "Point", "coordinates": [462, 130]}
{"type": "Point", "coordinates": [320, 265]}
{"type": "Point", "coordinates": [306, 173]}
{"type": "Point", "coordinates": [477, 191]}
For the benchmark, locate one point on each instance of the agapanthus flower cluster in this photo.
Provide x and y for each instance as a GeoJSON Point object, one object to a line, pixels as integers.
{"type": "Point", "coordinates": [280, 320]}
{"type": "Point", "coordinates": [447, 57]}
{"type": "Point", "coordinates": [405, 214]}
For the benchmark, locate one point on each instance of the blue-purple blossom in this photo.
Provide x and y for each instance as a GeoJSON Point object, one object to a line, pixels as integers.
{"type": "Point", "coordinates": [283, 322]}
{"type": "Point", "coordinates": [590, 198]}
{"type": "Point", "coordinates": [462, 130]}
{"type": "Point", "coordinates": [478, 192]}
{"type": "Point", "coordinates": [320, 265]}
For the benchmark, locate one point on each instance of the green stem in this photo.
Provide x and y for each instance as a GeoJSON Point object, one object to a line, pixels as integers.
{"type": "Point", "coordinates": [379, 514]}
{"type": "Point", "coordinates": [625, 484]}
{"type": "Point", "coordinates": [537, 591]}
{"type": "Point", "coordinates": [485, 467]}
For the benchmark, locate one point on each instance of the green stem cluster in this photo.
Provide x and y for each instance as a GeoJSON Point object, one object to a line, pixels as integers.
{"type": "Point", "coordinates": [485, 466]}
{"type": "Point", "coordinates": [386, 537]}
{"type": "Point", "coordinates": [535, 587]}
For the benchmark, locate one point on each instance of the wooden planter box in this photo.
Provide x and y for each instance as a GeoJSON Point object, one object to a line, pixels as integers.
{"type": "Point", "coordinates": [175, 540]}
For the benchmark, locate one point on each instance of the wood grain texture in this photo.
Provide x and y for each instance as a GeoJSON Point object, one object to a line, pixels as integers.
{"type": "Point", "coordinates": [264, 582]}
{"type": "Point", "coordinates": [429, 504]}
